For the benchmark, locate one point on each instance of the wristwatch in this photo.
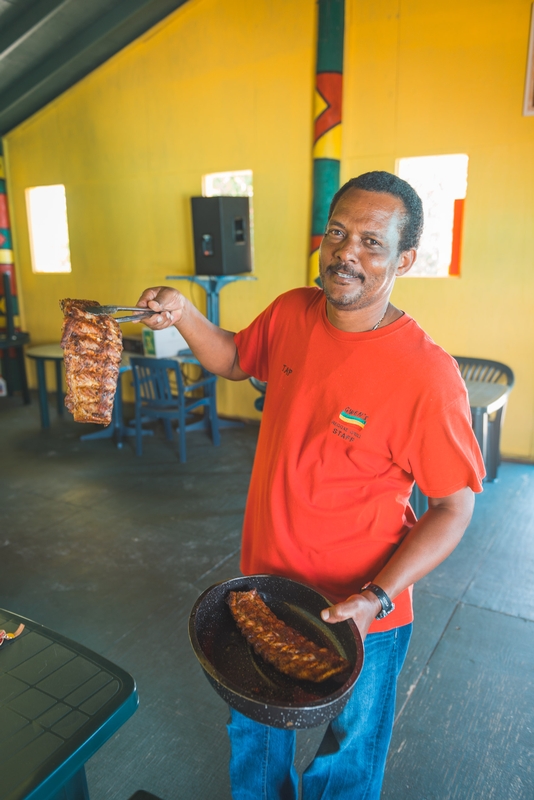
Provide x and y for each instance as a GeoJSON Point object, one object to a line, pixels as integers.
{"type": "Point", "coordinates": [387, 605]}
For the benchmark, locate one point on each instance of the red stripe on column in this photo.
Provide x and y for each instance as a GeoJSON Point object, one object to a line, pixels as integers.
{"type": "Point", "coordinates": [315, 243]}
{"type": "Point", "coordinates": [330, 87]}
{"type": "Point", "coordinates": [457, 230]}
{"type": "Point", "coordinates": [4, 215]}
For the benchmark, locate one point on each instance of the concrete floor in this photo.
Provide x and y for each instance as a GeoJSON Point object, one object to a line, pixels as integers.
{"type": "Point", "coordinates": [112, 551]}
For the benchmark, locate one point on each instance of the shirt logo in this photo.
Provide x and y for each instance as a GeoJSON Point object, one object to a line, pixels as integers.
{"type": "Point", "coordinates": [351, 417]}
{"type": "Point", "coordinates": [351, 425]}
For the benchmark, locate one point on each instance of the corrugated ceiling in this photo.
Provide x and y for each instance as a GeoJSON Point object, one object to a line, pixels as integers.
{"type": "Point", "coordinates": [46, 46]}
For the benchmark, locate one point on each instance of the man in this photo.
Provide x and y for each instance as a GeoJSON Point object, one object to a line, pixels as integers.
{"type": "Point", "coordinates": [360, 402]}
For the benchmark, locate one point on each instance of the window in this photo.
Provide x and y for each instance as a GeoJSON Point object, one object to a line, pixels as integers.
{"type": "Point", "coordinates": [48, 227]}
{"type": "Point", "coordinates": [228, 184]}
{"type": "Point", "coordinates": [232, 184]}
{"type": "Point", "coordinates": [441, 183]}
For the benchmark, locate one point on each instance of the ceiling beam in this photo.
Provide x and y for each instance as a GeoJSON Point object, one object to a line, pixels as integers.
{"type": "Point", "coordinates": [28, 22]}
{"type": "Point", "coordinates": [79, 56]}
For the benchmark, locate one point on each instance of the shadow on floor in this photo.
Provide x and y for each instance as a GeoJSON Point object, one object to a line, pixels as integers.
{"type": "Point", "coordinates": [113, 550]}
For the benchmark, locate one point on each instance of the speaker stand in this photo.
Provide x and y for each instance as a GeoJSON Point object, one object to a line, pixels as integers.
{"type": "Point", "coordinates": [212, 285]}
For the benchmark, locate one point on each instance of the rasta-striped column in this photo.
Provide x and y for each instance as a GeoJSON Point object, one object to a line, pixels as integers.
{"type": "Point", "coordinates": [327, 116]}
{"type": "Point", "coordinates": [6, 251]}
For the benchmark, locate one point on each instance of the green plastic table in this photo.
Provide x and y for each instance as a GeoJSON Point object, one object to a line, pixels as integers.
{"type": "Point", "coordinates": [59, 703]}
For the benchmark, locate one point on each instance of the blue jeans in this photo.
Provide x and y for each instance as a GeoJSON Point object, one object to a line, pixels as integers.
{"type": "Point", "coordinates": [350, 762]}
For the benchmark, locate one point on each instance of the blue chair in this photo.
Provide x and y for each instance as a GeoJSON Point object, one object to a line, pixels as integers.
{"type": "Point", "coordinates": [418, 501]}
{"type": "Point", "coordinates": [261, 387]}
{"type": "Point", "coordinates": [162, 393]}
{"type": "Point", "coordinates": [13, 341]}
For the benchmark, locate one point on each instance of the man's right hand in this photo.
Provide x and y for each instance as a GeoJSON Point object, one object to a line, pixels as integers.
{"type": "Point", "coordinates": [214, 347]}
{"type": "Point", "coordinates": [169, 301]}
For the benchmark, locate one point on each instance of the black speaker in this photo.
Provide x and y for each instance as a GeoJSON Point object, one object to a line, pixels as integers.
{"type": "Point", "coordinates": [221, 234]}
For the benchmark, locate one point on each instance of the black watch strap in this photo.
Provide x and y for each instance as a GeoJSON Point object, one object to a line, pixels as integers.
{"type": "Point", "coordinates": [387, 605]}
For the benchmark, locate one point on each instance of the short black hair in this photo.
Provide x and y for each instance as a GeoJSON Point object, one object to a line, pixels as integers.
{"type": "Point", "coordinates": [387, 183]}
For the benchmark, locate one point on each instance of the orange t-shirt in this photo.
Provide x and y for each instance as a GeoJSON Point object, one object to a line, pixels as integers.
{"type": "Point", "coordinates": [349, 421]}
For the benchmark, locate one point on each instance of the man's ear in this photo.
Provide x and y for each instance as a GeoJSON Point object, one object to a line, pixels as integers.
{"type": "Point", "coordinates": [406, 261]}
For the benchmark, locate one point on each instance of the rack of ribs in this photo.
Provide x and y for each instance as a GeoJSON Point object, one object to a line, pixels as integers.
{"type": "Point", "coordinates": [279, 644]}
{"type": "Point", "coordinates": [93, 349]}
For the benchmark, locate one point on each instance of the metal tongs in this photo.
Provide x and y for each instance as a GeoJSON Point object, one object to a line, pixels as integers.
{"type": "Point", "coordinates": [108, 310]}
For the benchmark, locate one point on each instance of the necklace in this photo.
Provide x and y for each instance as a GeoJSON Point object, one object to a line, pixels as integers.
{"type": "Point", "coordinates": [381, 318]}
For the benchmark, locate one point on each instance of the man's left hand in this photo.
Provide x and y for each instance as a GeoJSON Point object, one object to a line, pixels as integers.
{"type": "Point", "coordinates": [427, 544]}
{"type": "Point", "coordinates": [361, 608]}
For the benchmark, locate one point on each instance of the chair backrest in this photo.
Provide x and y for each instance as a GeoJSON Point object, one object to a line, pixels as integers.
{"type": "Point", "coordinates": [10, 322]}
{"type": "Point", "coordinates": [260, 386]}
{"type": "Point", "coordinates": [484, 370]}
{"type": "Point", "coordinates": [151, 379]}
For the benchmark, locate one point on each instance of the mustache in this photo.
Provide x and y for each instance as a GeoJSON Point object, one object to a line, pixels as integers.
{"type": "Point", "coordinates": [342, 267]}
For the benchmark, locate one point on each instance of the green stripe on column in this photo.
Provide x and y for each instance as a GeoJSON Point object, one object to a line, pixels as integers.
{"type": "Point", "coordinates": [325, 184]}
{"type": "Point", "coordinates": [330, 36]}
{"type": "Point", "coordinates": [326, 171]}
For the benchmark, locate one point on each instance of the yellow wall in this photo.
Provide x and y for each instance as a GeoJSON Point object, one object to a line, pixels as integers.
{"type": "Point", "coordinates": [229, 85]}
{"type": "Point", "coordinates": [216, 86]}
{"type": "Point", "coordinates": [448, 77]}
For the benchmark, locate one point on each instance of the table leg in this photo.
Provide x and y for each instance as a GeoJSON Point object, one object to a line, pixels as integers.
{"type": "Point", "coordinates": [59, 388]}
{"type": "Point", "coordinates": [116, 428]}
{"type": "Point", "coordinates": [212, 309]}
{"type": "Point", "coordinates": [5, 369]}
{"type": "Point", "coordinates": [480, 428]}
{"type": "Point", "coordinates": [212, 304]}
{"type": "Point", "coordinates": [111, 430]}
{"type": "Point", "coordinates": [43, 399]}
{"type": "Point", "coordinates": [74, 789]}
{"type": "Point", "coordinates": [23, 376]}
{"type": "Point", "coordinates": [117, 420]}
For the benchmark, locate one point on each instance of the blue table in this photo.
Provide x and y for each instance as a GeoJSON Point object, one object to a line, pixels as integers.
{"type": "Point", "coordinates": [116, 428]}
{"type": "Point", "coordinates": [41, 354]}
{"type": "Point", "coordinates": [54, 352]}
{"type": "Point", "coordinates": [59, 703]}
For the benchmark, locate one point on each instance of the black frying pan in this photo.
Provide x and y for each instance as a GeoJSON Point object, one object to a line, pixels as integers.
{"type": "Point", "coordinates": [250, 685]}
